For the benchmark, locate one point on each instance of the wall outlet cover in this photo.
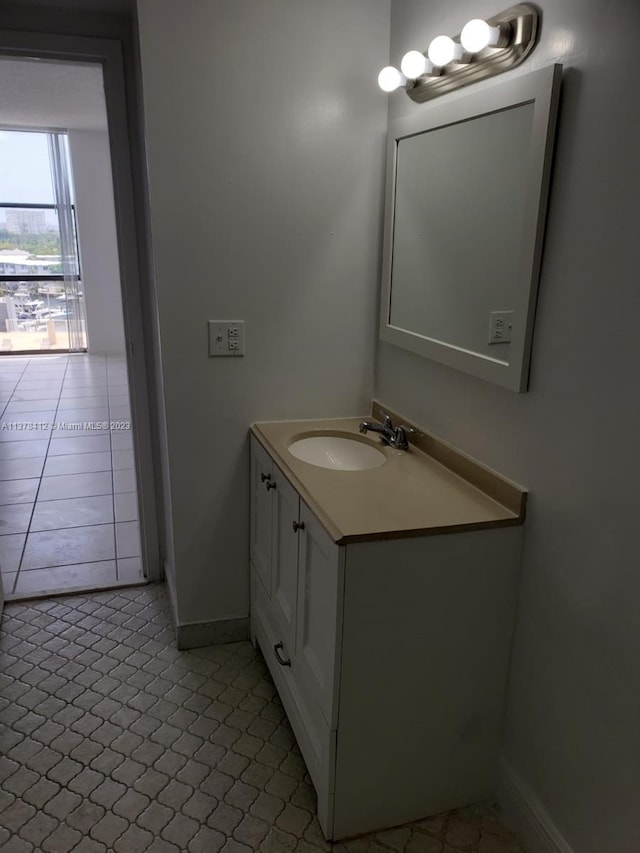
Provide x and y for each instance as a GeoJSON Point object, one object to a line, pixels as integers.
{"type": "Point", "coordinates": [226, 338]}
{"type": "Point", "coordinates": [500, 325]}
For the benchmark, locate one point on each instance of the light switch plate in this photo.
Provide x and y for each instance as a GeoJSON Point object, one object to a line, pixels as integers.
{"type": "Point", "coordinates": [226, 337]}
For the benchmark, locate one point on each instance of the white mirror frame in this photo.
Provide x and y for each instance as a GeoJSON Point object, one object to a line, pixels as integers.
{"type": "Point", "coordinates": [542, 89]}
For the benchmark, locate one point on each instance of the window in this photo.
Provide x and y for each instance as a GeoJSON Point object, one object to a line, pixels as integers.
{"type": "Point", "coordinates": [30, 245]}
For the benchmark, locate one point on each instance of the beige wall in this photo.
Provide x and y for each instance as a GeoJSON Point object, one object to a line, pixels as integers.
{"type": "Point", "coordinates": [572, 723]}
{"type": "Point", "coordinates": [265, 134]}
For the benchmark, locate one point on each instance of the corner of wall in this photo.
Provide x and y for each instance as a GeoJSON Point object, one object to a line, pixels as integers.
{"type": "Point", "coordinates": [194, 635]}
{"type": "Point", "coordinates": [526, 815]}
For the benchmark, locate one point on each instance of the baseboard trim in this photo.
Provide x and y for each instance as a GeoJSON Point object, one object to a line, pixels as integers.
{"type": "Point", "coordinates": [197, 634]}
{"type": "Point", "coordinates": [526, 814]}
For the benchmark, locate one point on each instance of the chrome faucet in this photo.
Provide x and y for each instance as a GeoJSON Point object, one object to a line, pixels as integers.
{"type": "Point", "coordinates": [393, 436]}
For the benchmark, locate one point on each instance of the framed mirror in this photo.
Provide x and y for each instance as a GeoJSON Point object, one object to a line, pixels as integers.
{"type": "Point", "coordinates": [466, 199]}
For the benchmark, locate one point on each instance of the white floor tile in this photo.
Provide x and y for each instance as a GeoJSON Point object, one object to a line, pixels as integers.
{"type": "Point", "coordinates": [34, 417]}
{"type": "Point", "coordinates": [124, 481]}
{"type": "Point", "coordinates": [51, 392]}
{"type": "Point", "coordinates": [90, 391]}
{"type": "Point", "coordinates": [91, 413]}
{"type": "Point", "coordinates": [118, 389]}
{"type": "Point", "coordinates": [71, 543]}
{"type": "Point", "coordinates": [118, 400]}
{"type": "Point", "coordinates": [18, 491]}
{"type": "Point", "coordinates": [19, 406]}
{"type": "Point", "coordinates": [84, 384]}
{"type": "Point", "coordinates": [10, 551]}
{"type": "Point", "coordinates": [12, 433]}
{"type": "Point", "coordinates": [76, 463]}
{"type": "Point", "coordinates": [128, 539]}
{"type": "Point", "coordinates": [83, 403]}
{"type": "Point", "coordinates": [126, 506]}
{"type": "Point", "coordinates": [23, 449]}
{"type": "Point", "coordinates": [122, 459]}
{"type": "Point", "coordinates": [34, 384]}
{"type": "Point", "coordinates": [8, 582]}
{"type": "Point", "coordinates": [117, 413]}
{"type": "Point", "coordinates": [80, 576]}
{"type": "Point", "coordinates": [21, 469]}
{"type": "Point", "coordinates": [130, 569]}
{"type": "Point", "coordinates": [68, 546]}
{"type": "Point", "coordinates": [121, 440]}
{"type": "Point", "coordinates": [53, 375]}
{"type": "Point", "coordinates": [71, 512]}
{"type": "Point", "coordinates": [66, 428]}
{"type": "Point", "coordinates": [15, 518]}
{"type": "Point", "coordinates": [83, 444]}
{"type": "Point", "coordinates": [75, 486]}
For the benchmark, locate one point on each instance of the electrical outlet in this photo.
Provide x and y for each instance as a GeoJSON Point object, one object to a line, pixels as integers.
{"type": "Point", "coordinates": [226, 337]}
{"type": "Point", "coordinates": [500, 324]}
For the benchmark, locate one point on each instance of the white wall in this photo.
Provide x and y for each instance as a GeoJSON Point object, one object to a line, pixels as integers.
{"type": "Point", "coordinates": [265, 138]}
{"type": "Point", "coordinates": [96, 222]}
{"type": "Point", "coordinates": [573, 439]}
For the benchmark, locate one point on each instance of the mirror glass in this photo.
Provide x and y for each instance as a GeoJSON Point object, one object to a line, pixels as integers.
{"type": "Point", "coordinates": [465, 209]}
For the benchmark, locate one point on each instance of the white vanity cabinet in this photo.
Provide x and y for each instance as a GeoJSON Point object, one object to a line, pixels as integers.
{"type": "Point", "coordinates": [390, 656]}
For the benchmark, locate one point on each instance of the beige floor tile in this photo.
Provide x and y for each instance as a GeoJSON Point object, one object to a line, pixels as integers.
{"type": "Point", "coordinates": [68, 546]}
{"type": "Point", "coordinates": [71, 512]}
{"type": "Point", "coordinates": [15, 519]}
{"type": "Point", "coordinates": [72, 578]}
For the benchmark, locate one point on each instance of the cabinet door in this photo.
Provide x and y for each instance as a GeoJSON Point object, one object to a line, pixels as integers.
{"type": "Point", "coordinates": [320, 583]}
{"type": "Point", "coordinates": [284, 560]}
{"type": "Point", "coordinates": [261, 513]}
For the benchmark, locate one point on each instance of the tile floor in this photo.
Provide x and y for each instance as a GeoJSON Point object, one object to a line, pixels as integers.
{"type": "Point", "coordinates": [111, 739]}
{"type": "Point", "coordinates": [68, 505]}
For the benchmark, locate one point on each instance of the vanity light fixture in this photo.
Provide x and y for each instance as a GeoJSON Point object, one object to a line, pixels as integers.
{"type": "Point", "coordinates": [483, 48]}
{"type": "Point", "coordinates": [444, 50]}
{"type": "Point", "coordinates": [476, 35]}
{"type": "Point", "coordinates": [414, 64]}
{"type": "Point", "coordinates": [390, 79]}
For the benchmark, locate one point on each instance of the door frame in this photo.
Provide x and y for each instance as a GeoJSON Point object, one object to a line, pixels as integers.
{"type": "Point", "coordinates": [108, 52]}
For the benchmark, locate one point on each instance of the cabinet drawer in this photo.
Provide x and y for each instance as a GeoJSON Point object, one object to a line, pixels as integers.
{"type": "Point", "coordinates": [316, 741]}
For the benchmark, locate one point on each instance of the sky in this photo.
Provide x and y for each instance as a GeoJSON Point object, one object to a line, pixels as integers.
{"type": "Point", "coordinates": [24, 168]}
{"type": "Point", "coordinates": [25, 176]}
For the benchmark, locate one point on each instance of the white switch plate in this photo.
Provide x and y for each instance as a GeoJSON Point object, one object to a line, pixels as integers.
{"type": "Point", "coordinates": [500, 323]}
{"type": "Point", "coordinates": [226, 337]}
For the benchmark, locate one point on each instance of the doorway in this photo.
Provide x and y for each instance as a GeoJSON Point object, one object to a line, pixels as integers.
{"type": "Point", "coordinates": [41, 297]}
{"type": "Point", "coordinates": [75, 476]}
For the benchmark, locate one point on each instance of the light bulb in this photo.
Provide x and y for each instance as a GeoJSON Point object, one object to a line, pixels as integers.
{"type": "Point", "coordinates": [414, 64]}
{"type": "Point", "coordinates": [477, 34]}
{"type": "Point", "coordinates": [443, 50]}
{"type": "Point", "coordinates": [390, 79]}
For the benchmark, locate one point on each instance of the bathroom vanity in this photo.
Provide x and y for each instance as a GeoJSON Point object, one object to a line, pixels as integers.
{"type": "Point", "coordinates": [383, 601]}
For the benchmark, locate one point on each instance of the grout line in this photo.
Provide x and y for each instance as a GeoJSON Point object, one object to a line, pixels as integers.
{"type": "Point", "coordinates": [35, 500]}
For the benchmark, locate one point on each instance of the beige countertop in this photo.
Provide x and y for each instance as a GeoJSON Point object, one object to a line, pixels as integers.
{"type": "Point", "coordinates": [412, 494]}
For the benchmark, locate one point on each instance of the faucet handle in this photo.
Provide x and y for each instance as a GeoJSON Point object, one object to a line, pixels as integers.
{"type": "Point", "coordinates": [386, 419]}
{"type": "Point", "coordinates": [401, 440]}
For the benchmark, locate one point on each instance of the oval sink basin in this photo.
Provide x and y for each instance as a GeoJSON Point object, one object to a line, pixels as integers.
{"type": "Point", "coordinates": [337, 452]}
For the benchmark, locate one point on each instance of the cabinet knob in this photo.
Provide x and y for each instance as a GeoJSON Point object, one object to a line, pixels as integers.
{"type": "Point", "coordinates": [282, 661]}
{"type": "Point", "coordinates": [298, 526]}
{"type": "Point", "coordinates": [264, 476]}
{"type": "Point", "coordinates": [270, 485]}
